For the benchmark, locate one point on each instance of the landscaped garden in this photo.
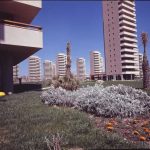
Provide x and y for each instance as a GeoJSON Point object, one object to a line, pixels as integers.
{"type": "Point", "coordinates": [93, 117]}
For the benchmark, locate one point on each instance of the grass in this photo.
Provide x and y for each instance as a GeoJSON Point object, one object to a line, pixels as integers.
{"type": "Point", "coordinates": [25, 122]}
{"type": "Point", "coordinates": [135, 84]}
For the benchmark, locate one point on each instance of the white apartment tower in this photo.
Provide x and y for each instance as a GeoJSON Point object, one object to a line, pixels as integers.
{"type": "Point", "coordinates": [140, 65]}
{"type": "Point", "coordinates": [34, 68]}
{"type": "Point", "coordinates": [49, 69]}
{"type": "Point", "coordinates": [19, 39]}
{"type": "Point", "coordinates": [54, 69]}
{"type": "Point", "coordinates": [96, 63]}
{"type": "Point", "coordinates": [120, 39]}
{"type": "Point", "coordinates": [61, 64]}
{"type": "Point", "coordinates": [81, 69]}
{"type": "Point", "coordinates": [15, 73]}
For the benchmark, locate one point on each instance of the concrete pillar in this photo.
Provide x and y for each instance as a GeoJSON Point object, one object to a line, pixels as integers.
{"type": "Point", "coordinates": [114, 77]}
{"type": "Point", "coordinates": [0, 77]}
{"type": "Point", "coordinates": [122, 77]}
{"type": "Point", "coordinates": [106, 78]}
{"type": "Point", "coordinates": [7, 75]}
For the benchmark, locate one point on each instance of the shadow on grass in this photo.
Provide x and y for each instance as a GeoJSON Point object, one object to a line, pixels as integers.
{"type": "Point", "coordinates": [18, 88]}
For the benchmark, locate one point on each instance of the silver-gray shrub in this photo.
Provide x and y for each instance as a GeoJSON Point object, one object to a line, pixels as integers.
{"type": "Point", "coordinates": [109, 101]}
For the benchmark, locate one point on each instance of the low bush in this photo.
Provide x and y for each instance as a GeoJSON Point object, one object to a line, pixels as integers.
{"type": "Point", "coordinates": [112, 101]}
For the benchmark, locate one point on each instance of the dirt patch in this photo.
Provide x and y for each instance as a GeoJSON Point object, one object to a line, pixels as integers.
{"type": "Point", "coordinates": [3, 134]}
{"type": "Point", "coordinates": [133, 129]}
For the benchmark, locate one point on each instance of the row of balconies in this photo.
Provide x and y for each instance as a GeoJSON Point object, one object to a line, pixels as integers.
{"type": "Point", "coordinates": [127, 7]}
{"type": "Point", "coordinates": [124, 11]}
{"type": "Point", "coordinates": [128, 45]}
{"type": "Point", "coordinates": [126, 17]}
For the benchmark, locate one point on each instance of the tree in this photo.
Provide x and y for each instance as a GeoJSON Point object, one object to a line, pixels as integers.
{"type": "Point", "coordinates": [145, 65]}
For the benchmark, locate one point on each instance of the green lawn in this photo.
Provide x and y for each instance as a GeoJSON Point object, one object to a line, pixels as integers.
{"type": "Point", "coordinates": [136, 84]}
{"type": "Point", "coordinates": [25, 122]}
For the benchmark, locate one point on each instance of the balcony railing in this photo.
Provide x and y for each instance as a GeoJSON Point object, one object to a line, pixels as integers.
{"type": "Point", "coordinates": [20, 24]}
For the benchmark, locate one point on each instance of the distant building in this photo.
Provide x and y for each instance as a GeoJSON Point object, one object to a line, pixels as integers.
{"type": "Point", "coordinates": [15, 73]}
{"type": "Point", "coordinates": [34, 68]}
{"type": "Point", "coordinates": [140, 65]}
{"type": "Point", "coordinates": [19, 39]}
{"type": "Point", "coordinates": [48, 69]}
{"type": "Point", "coordinates": [25, 79]}
{"type": "Point", "coordinates": [120, 40]}
{"type": "Point", "coordinates": [54, 69]}
{"type": "Point", "coordinates": [81, 69]}
{"type": "Point", "coordinates": [96, 63]}
{"type": "Point", "coordinates": [61, 64]}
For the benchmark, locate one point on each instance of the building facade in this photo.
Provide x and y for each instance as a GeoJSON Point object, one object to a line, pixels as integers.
{"type": "Point", "coordinates": [15, 73]}
{"type": "Point", "coordinates": [34, 68]}
{"type": "Point", "coordinates": [61, 64]}
{"type": "Point", "coordinates": [18, 38]}
{"type": "Point", "coordinates": [140, 65]}
{"type": "Point", "coordinates": [81, 69]}
{"type": "Point", "coordinates": [48, 69]}
{"type": "Point", "coordinates": [96, 63]}
{"type": "Point", "coordinates": [120, 40]}
{"type": "Point", "coordinates": [54, 69]}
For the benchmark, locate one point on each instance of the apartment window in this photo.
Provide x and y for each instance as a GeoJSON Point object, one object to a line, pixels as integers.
{"type": "Point", "coordinates": [112, 17]}
{"type": "Point", "coordinates": [115, 70]}
{"type": "Point", "coordinates": [114, 49]}
{"type": "Point", "coordinates": [113, 33]}
{"type": "Point", "coordinates": [114, 54]}
{"type": "Point", "coordinates": [110, 55]}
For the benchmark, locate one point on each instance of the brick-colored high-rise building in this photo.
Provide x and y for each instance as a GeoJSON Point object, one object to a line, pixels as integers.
{"type": "Point", "coordinates": [120, 39]}
{"type": "Point", "coordinates": [34, 68]}
{"type": "Point", "coordinates": [81, 69]}
{"type": "Point", "coordinates": [61, 64]}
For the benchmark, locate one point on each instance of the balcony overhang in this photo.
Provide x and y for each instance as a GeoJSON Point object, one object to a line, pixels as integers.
{"type": "Point", "coordinates": [19, 40]}
{"type": "Point", "coordinates": [18, 53]}
{"type": "Point", "coordinates": [21, 11]}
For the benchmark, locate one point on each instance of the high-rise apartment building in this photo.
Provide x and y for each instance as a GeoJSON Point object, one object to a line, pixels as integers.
{"type": "Point", "coordinates": [54, 69]}
{"type": "Point", "coordinates": [140, 65]}
{"type": "Point", "coordinates": [34, 68]}
{"type": "Point", "coordinates": [61, 64]}
{"type": "Point", "coordinates": [15, 73]}
{"type": "Point", "coordinates": [48, 69]}
{"type": "Point", "coordinates": [120, 39]}
{"type": "Point", "coordinates": [18, 38]}
{"type": "Point", "coordinates": [96, 63]}
{"type": "Point", "coordinates": [81, 69]}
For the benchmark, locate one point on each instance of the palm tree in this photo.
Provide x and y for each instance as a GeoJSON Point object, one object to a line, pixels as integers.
{"type": "Point", "coordinates": [145, 65]}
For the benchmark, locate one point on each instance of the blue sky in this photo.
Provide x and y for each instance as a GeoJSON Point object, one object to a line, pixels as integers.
{"type": "Point", "coordinates": [81, 23]}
